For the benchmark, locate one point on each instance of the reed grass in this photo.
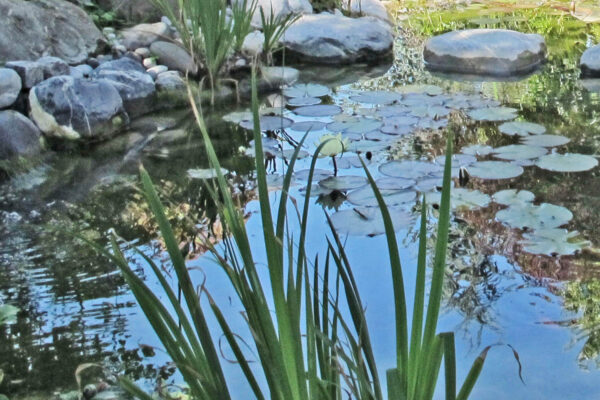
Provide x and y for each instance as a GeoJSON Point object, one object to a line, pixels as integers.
{"type": "Point", "coordinates": [316, 342]}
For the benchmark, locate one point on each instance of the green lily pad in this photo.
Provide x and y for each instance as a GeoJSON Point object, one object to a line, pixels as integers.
{"type": "Point", "coordinates": [431, 90]}
{"type": "Point", "coordinates": [461, 198]}
{"type": "Point", "coordinates": [308, 126]}
{"type": "Point", "coordinates": [553, 242]}
{"type": "Point", "coordinates": [207, 173]}
{"type": "Point", "coordinates": [288, 153]}
{"type": "Point", "coordinates": [275, 181]}
{"type": "Point", "coordinates": [527, 215]}
{"type": "Point", "coordinates": [238, 116]}
{"type": "Point", "coordinates": [303, 101]}
{"type": "Point", "coordinates": [363, 146]}
{"type": "Point", "coordinates": [366, 197]}
{"type": "Point", "coordinates": [428, 184]}
{"type": "Point", "coordinates": [359, 125]}
{"type": "Point", "coordinates": [545, 140]}
{"type": "Point", "coordinates": [380, 136]}
{"type": "Point", "coordinates": [307, 90]}
{"type": "Point", "coordinates": [458, 160]}
{"type": "Point", "coordinates": [321, 110]}
{"type": "Point", "coordinates": [494, 170]}
{"type": "Point", "coordinates": [393, 111]}
{"type": "Point", "coordinates": [409, 169]}
{"type": "Point", "coordinates": [268, 123]}
{"type": "Point", "coordinates": [367, 221]}
{"type": "Point", "coordinates": [519, 152]}
{"type": "Point", "coordinates": [569, 162]}
{"type": "Point", "coordinates": [390, 183]}
{"type": "Point", "coordinates": [521, 128]}
{"type": "Point", "coordinates": [477, 150]}
{"type": "Point", "coordinates": [318, 174]}
{"type": "Point", "coordinates": [343, 183]}
{"type": "Point", "coordinates": [510, 197]}
{"type": "Point", "coordinates": [493, 114]}
{"type": "Point", "coordinates": [377, 97]}
{"type": "Point", "coordinates": [348, 161]}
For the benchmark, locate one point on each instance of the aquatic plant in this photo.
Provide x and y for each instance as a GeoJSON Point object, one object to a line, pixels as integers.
{"type": "Point", "coordinates": [273, 28]}
{"type": "Point", "coordinates": [242, 12]}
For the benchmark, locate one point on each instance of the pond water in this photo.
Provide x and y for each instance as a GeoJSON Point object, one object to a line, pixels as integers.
{"type": "Point", "coordinates": [505, 284]}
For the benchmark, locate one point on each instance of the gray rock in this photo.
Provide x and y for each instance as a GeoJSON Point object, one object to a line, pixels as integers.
{"type": "Point", "coordinates": [92, 62]}
{"type": "Point", "coordinates": [10, 87]}
{"type": "Point", "coordinates": [332, 39]}
{"type": "Point", "coordinates": [174, 57]}
{"type": "Point", "coordinates": [279, 76]}
{"type": "Point", "coordinates": [31, 72]}
{"type": "Point", "coordinates": [53, 66]}
{"type": "Point", "coordinates": [134, 10]}
{"type": "Point", "coordinates": [18, 135]}
{"type": "Point", "coordinates": [122, 64]}
{"type": "Point", "coordinates": [253, 43]}
{"type": "Point", "coordinates": [77, 109]}
{"type": "Point", "coordinates": [136, 89]}
{"type": "Point", "coordinates": [590, 62]}
{"type": "Point", "coordinates": [32, 29]}
{"type": "Point", "coordinates": [371, 8]}
{"type": "Point", "coordinates": [281, 8]}
{"type": "Point", "coordinates": [169, 81]}
{"type": "Point", "coordinates": [497, 52]}
{"type": "Point", "coordinates": [81, 71]}
{"type": "Point", "coordinates": [143, 35]}
{"type": "Point", "coordinates": [156, 70]}
{"type": "Point", "coordinates": [142, 52]}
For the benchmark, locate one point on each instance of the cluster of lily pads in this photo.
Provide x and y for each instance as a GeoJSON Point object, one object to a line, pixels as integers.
{"type": "Point", "coordinates": [365, 124]}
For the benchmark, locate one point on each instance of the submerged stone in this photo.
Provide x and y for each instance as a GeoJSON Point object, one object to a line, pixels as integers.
{"type": "Point", "coordinates": [590, 62]}
{"type": "Point", "coordinates": [497, 52]}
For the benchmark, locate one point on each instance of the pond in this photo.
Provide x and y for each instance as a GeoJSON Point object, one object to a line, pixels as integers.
{"type": "Point", "coordinates": [508, 281]}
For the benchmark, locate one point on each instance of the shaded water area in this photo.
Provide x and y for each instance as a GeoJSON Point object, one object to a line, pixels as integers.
{"type": "Point", "coordinates": [77, 309]}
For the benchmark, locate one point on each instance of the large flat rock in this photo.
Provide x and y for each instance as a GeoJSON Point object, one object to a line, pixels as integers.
{"type": "Point", "coordinates": [497, 52]}
{"type": "Point", "coordinates": [590, 62]}
{"type": "Point", "coordinates": [36, 28]}
{"type": "Point", "coordinates": [335, 39]}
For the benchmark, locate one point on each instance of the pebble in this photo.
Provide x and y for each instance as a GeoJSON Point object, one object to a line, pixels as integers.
{"type": "Point", "coordinates": [157, 69]}
{"type": "Point", "coordinates": [149, 63]}
{"type": "Point", "coordinates": [143, 52]}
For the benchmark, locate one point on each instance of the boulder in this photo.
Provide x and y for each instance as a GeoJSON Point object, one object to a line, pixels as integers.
{"type": "Point", "coordinates": [81, 71]}
{"type": "Point", "coordinates": [121, 64]}
{"type": "Point", "coordinates": [77, 109]}
{"type": "Point", "coordinates": [496, 52]}
{"type": "Point", "coordinates": [335, 39]}
{"type": "Point", "coordinates": [31, 72]}
{"type": "Point", "coordinates": [253, 43]}
{"type": "Point", "coordinates": [371, 8]}
{"type": "Point", "coordinates": [35, 28]}
{"type": "Point", "coordinates": [170, 81]}
{"type": "Point", "coordinates": [590, 62]}
{"type": "Point", "coordinates": [156, 70]}
{"type": "Point", "coordinates": [53, 66]}
{"type": "Point", "coordinates": [18, 135]}
{"type": "Point", "coordinates": [10, 87]}
{"type": "Point", "coordinates": [136, 89]}
{"type": "Point", "coordinates": [174, 56]}
{"type": "Point", "coordinates": [281, 8]}
{"type": "Point", "coordinates": [280, 76]}
{"type": "Point", "coordinates": [134, 10]}
{"type": "Point", "coordinates": [143, 35]}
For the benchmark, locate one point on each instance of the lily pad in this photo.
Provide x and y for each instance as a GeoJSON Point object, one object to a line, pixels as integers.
{"type": "Point", "coordinates": [552, 242]}
{"type": "Point", "coordinates": [511, 197]}
{"type": "Point", "coordinates": [429, 184]}
{"type": "Point", "coordinates": [348, 161]}
{"type": "Point", "coordinates": [461, 198]}
{"type": "Point", "coordinates": [343, 183]}
{"type": "Point", "coordinates": [458, 160]}
{"type": "Point", "coordinates": [238, 116]}
{"type": "Point", "coordinates": [431, 90]}
{"type": "Point", "coordinates": [363, 146]}
{"type": "Point", "coordinates": [477, 150]}
{"type": "Point", "coordinates": [519, 152]}
{"type": "Point", "coordinates": [275, 181]}
{"type": "Point", "coordinates": [368, 221]}
{"type": "Point", "coordinates": [380, 136]}
{"type": "Point", "coordinates": [494, 170]}
{"type": "Point", "coordinates": [207, 173]}
{"type": "Point", "coordinates": [493, 114]}
{"type": "Point", "coordinates": [521, 128]}
{"type": "Point", "coordinates": [303, 101]}
{"type": "Point", "coordinates": [377, 97]}
{"type": "Point", "coordinates": [318, 174]}
{"type": "Point", "coordinates": [569, 162]}
{"type": "Point", "coordinates": [359, 125]}
{"type": "Point", "coordinates": [409, 169]}
{"type": "Point", "coordinates": [393, 111]}
{"type": "Point", "coordinates": [545, 140]}
{"type": "Point", "coordinates": [308, 126]}
{"type": "Point", "coordinates": [268, 123]}
{"type": "Point", "coordinates": [288, 153]}
{"type": "Point", "coordinates": [390, 183]}
{"type": "Point", "coordinates": [366, 197]}
{"type": "Point", "coordinates": [527, 215]}
{"type": "Point", "coordinates": [397, 130]}
{"type": "Point", "coordinates": [321, 110]}
{"type": "Point", "coordinates": [307, 90]}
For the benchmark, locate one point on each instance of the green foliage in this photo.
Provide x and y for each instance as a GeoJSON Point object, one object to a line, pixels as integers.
{"type": "Point", "coordinates": [242, 12]}
{"type": "Point", "coordinates": [325, 5]}
{"type": "Point", "coordinates": [101, 17]}
{"type": "Point", "coordinates": [273, 29]}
